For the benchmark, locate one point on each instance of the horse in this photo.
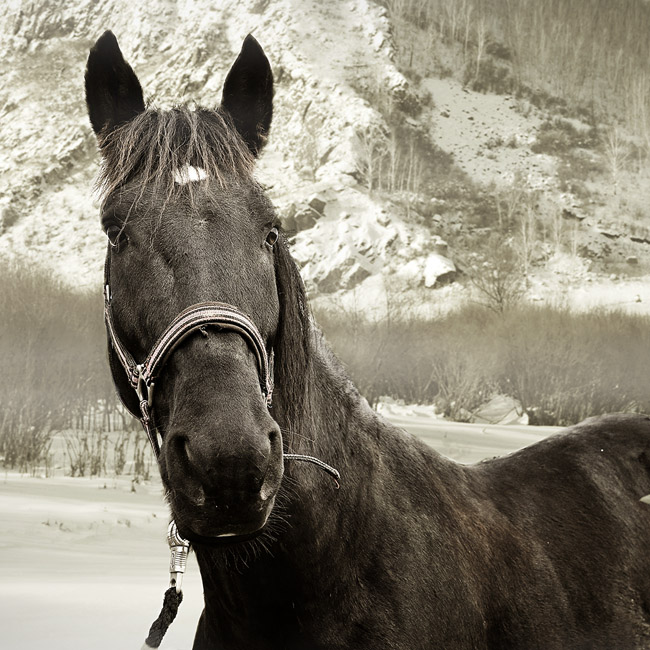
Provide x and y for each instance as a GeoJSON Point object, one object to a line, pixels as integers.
{"type": "Point", "coordinates": [546, 548]}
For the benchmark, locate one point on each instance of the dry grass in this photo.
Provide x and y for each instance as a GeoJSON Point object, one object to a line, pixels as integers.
{"type": "Point", "coordinates": [53, 369]}
{"type": "Point", "coordinates": [562, 366]}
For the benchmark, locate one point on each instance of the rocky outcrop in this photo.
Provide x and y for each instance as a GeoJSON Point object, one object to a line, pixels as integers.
{"type": "Point", "coordinates": [181, 52]}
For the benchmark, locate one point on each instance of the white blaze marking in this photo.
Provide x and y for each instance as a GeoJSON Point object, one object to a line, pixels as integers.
{"type": "Point", "coordinates": [189, 174]}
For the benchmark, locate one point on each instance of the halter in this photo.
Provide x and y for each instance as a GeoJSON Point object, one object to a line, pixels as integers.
{"type": "Point", "coordinates": [141, 376]}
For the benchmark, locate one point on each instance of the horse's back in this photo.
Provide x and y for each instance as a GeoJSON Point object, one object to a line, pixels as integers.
{"type": "Point", "coordinates": [607, 455]}
{"type": "Point", "coordinates": [572, 501]}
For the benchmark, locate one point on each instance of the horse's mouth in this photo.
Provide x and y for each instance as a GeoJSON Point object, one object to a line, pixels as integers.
{"type": "Point", "coordinates": [199, 525]}
{"type": "Point", "coordinates": [225, 539]}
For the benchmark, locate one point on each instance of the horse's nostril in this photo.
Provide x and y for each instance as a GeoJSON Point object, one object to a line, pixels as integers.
{"type": "Point", "coordinates": [188, 453]}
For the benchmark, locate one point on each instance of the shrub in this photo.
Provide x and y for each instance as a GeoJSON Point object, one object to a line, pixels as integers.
{"type": "Point", "coordinates": [564, 367]}
{"type": "Point", "coordinates": [557, 136]}
{"type": "Point", "coordinates": [561, 366]}
{"type": "Point", "coordinates": [489, 77]}
{"type": "Point", "coordinates": [53, 361]}
{"type": "Point", "coordinates": [497, 274]}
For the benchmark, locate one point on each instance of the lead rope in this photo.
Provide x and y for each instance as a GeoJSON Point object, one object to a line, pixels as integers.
{"type": "Point", "coordinates": [179, 548]}
{"type": "Point", "coordinates": [319, 463]}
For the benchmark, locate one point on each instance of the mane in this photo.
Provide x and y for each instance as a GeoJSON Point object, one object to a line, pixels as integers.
{"type": "Point", "coordinates": [293, 361]}
{"type": "Point", "coordinates": [155, 144]}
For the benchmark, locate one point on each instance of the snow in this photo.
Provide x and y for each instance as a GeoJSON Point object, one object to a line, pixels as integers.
{"type": "Point", "coordinates": [329, 61]}
{"type": "Point", "coordinates": [85, 561]}
{"type": "Point", "coordinates": [323, 56]}
{"type": "Point", "coordinates": [85, 565]}
{"type": "Point", "coordinates": [48, 153]}
{"type": "Point", "coordinates": [475, 126]}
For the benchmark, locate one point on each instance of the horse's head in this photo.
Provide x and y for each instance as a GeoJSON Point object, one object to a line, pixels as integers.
{"type": "Point", "coordinates": [186, 224]}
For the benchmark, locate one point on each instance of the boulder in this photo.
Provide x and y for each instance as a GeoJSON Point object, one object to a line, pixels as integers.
{"type": "Point", "coordinates": [355, 276]}
{"type": "Point", "coordinates": [317, 204]}
{"type": "Point", "coordinates": [331, 281]}
{"type": "Point", "coordinates": [289, 223]}
{"type": "Point", "coordinates": [438, 269]}
{"type": "Point", "coordinates": [440, 247]}
{"type": "Point", "coordinates": [501, 409]}
{"type": "Point", "coordinates": [305, 218]}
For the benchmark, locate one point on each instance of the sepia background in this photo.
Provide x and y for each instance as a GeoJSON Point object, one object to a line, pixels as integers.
{"type": "Point", "coordinates": [466, 188]}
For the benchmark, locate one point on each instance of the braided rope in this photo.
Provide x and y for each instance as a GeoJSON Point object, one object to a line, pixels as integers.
{"type": "Point", "coordinates": [171, 602]}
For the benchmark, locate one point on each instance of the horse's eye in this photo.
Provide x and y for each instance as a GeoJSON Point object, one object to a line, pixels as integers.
{"type": "Point", "coordinates": [116, 237]}
{"type": "Point", "coordinates": [272, 237]}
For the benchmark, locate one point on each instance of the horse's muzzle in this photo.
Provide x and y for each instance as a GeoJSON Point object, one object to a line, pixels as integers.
{"type": "Point", "coordinates": [220, 483]}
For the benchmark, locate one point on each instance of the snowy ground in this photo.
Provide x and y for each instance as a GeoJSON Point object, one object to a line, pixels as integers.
{"type": "Point", "coordinates": [84, 562]}
{"type": "Point", "coordinates": [488, 134]}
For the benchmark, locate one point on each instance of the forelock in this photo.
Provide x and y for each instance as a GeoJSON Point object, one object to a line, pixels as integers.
{"type": "Point", "coordinates": [157, 148]}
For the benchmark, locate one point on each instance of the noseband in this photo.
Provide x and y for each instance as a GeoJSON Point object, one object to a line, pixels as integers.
{"type": "Point", "coordinates": [142, 376]}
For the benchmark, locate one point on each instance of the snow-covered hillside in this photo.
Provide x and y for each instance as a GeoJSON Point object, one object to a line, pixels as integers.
{"type": "Point", "coordinates": [181, 51]}
{"type": "Point", "coordinates": [338, 81]}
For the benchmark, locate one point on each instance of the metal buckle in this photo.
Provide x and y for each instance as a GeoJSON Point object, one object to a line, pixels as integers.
{"type": "Point", "coordinates": [144, 390]}
{"type": "Point", "coordinates": [179, 548]}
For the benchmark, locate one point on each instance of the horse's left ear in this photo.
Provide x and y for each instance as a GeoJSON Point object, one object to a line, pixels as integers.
{"type": "Point", "coordinates": [248, 94]}
{"type": "Point", "coordinates": [113, 92]}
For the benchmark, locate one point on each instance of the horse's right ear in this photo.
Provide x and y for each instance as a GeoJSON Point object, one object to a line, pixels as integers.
{"type": "Point", "coordinates": [113, 92]}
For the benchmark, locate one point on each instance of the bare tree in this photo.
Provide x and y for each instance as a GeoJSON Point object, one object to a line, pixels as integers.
{"type": "Point", "coordinates": [616, 154]}
{"type": "Point", "coordinates": [373, 147]}
{"type": "Point", "coordinates": [497, 274]}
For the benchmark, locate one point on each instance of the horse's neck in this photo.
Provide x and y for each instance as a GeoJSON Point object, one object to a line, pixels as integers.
{"type": "Point", "coordinates": [338, 422]}
{"type": "Point", "coordinates": [324, 526]}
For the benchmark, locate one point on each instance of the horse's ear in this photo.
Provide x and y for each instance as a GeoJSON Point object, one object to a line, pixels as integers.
{"type": "Point", "coordinates": [248, 94]}
{"type": "Point", "coordinates": [113, 92]}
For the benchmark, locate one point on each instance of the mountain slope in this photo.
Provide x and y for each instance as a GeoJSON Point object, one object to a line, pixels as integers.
{"type": "Point", "coordinates": [379, 177]}
{"type": "Point", "coordinates": [181, 52]}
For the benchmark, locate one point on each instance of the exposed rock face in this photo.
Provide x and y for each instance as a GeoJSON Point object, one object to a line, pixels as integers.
{"type": "Point", "coordinates": [438, 270]}
{"type": "Point", "coordinates": [181, 52]}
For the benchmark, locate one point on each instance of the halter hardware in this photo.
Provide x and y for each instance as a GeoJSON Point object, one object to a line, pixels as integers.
{"type": "Point", "coordinates": [179, 548]}
{"type": "Point", "coordinates": [144, 390]}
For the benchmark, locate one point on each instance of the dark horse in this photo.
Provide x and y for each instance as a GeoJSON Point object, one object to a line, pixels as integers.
{"type": "Point", "coordinates": [546, 548]}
